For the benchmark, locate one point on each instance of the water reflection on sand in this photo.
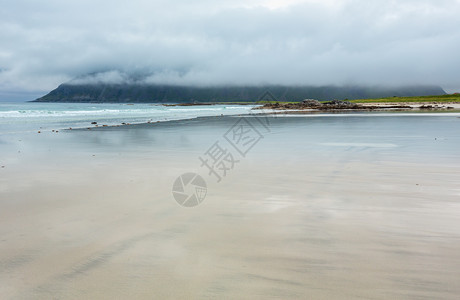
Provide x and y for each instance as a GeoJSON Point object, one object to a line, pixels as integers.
{"type": "Point", "coordinates": [318, 209]}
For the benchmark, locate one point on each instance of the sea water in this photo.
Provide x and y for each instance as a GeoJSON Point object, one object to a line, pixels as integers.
{"type": "Point", "coordinates": [30, 116]}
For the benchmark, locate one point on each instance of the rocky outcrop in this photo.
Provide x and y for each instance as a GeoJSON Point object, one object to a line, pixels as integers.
{"type": "Point", "coordinates": [328, 106]}
{"type": "Point", "coordinates": [311, 103]}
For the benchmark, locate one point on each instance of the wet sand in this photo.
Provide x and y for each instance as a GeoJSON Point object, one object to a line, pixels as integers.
{"type": "Point", "coordinates": [306, 214]}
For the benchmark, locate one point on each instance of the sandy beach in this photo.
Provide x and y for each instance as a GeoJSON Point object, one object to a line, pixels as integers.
{"type": "Point", "coordinates": [326, 207]}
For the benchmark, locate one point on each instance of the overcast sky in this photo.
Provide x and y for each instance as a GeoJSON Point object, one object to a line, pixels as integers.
{"type": "Point", "coordinates": [207, 42]}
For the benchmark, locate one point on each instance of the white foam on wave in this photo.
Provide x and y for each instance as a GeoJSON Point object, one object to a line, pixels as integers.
{"type": "Point", "coordinates": [50, 113]}
{"type": "Point", "coordinates": [108, 112]}
{"type": "Point", "coordinates": [33, 116]}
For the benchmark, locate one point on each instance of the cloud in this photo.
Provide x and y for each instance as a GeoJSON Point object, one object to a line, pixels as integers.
{"type": "Point", "coordinates": [206, 42]}
{"type": "Point", "coordinates": [109, 77]}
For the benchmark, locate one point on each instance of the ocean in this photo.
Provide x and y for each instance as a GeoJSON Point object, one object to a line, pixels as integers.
{"type": "Point", "coordinates": [30, 116]}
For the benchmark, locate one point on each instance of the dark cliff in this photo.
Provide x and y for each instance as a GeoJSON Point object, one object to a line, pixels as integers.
{"type": "Point", "coordinates": [142, 93]}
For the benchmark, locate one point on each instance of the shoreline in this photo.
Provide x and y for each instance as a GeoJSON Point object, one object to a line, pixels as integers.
{"type": "Point", "coordinates": [346, 106]}
{"type": "Point", "coordinates": [271, 109]}
{"type": "Point", "coordinates": [440, 105]}
{"type": "Point", "coordinates": [280, 112]}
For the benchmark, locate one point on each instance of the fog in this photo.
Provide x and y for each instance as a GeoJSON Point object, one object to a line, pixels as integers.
{"type": "Point", "coordinates": [203, 42]}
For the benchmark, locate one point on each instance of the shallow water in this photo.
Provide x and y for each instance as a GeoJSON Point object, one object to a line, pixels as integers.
{"type": "Point", "coordinates": [30, 116]}
{"type": "Point", "coordinates": [330, 206]}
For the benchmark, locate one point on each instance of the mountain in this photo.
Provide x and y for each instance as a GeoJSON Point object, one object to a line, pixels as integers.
{"type": "Point", "coordinates": [154, 93]}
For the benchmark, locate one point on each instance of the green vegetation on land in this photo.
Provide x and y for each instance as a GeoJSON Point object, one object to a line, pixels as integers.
{"type": "Point", "coordinates": [441, 98]}
{"type": "Point", "coordinates": [421, 99]}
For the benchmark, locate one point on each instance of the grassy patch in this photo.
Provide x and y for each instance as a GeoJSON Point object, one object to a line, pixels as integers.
{"type": "Point", "coordinates": [441, 98]}
{"type": "Point", "coordinates": [274, 102]}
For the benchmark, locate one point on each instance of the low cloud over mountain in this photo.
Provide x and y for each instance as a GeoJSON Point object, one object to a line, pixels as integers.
{"type": "Point", "coordinates": [208, 43]}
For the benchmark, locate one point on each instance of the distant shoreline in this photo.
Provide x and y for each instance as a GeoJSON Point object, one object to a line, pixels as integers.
{"type": "Point", "coordinates": [434, 102]}
{"type": "Point", "coordinates": [350, 107]}
{"type": "Point", "coordinates": [260, 112]}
